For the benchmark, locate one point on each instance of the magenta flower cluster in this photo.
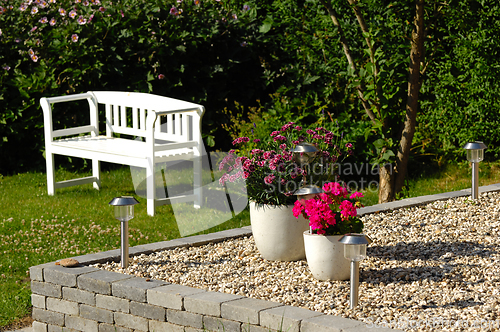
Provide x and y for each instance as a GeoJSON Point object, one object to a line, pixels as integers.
{"type": "Point", "coordinates": [332, 208]}
{"type": "Point", "coordinates": [268, 168]}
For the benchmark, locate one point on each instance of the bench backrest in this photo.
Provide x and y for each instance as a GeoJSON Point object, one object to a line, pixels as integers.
{"type": "Point", "coordinates": [133, 113]}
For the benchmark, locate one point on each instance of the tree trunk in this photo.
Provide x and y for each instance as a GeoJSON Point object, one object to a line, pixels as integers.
{"type": "Point", "coordinates": [416, 58]}
{"type": "Point", "coordinates": [391, 181]}
{"type": "Point", "coordinates": [386, 184]}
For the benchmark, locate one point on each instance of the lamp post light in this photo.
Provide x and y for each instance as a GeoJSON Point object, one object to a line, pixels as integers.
{"type": "Point", "coordinates": [124, 211]}
{"type": "Point", "coordinates": [475, 154]}
{"type": "Point", "coordinates": [355, 250]}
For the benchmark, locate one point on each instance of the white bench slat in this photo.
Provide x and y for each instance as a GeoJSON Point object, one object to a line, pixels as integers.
{"type": "Point", "coordinates": [73, 131]}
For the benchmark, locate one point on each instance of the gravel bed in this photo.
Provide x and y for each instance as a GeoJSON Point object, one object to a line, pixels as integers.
{"type": "Point", "coordinates": [430, 268]}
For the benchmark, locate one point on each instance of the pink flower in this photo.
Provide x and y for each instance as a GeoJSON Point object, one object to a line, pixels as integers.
{"type": "Point", "coordinates": [72, 13]}
{"type": "Point", "coordinates": [280, 138]}
{"type": "Point", "coordinates": [34, 58]}
{"type": "Point", "coordinates": [174, 11]}
{"type": "Point", "coordinates": [102, 9]}
{"type": "Point", "coordinates": [74, 38]}
{"type": "Point", "coordinates": [298, 208]}
{"type": "Point", "coordinates": [34, 10]}
{"type": "Point", "coordinates": [161, 76]}
{"type": "Point", "coordinates": [62, 12]}
{"type": "Point", "coordinates": [356, 195]}
{"type": "Point", "coordinates": [23, 7]}
{"type": "Point", "coordinates": [269, 179]}
{"type": "Point", "coordinates": [196, 2]}
{"type": "Point", "coordinates": [274, 133]}
{"type": "Point", "coordinates": [347, 209]}
{"type": "Point", "coordinates": [52, 21]}
{"type": "Point", "coordinates": [256, 140]}
{"type": "Point", "coordinates": [43, 20]}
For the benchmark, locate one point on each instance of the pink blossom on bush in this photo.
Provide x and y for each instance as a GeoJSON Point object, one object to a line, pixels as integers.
{"type": "Point", "coordinates": [269, 179]}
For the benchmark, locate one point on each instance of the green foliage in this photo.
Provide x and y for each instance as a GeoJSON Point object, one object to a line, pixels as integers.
{"type": "Point", "coordinates": [194, 50]}
{"type": "Point", "coordinates": [462, 90]}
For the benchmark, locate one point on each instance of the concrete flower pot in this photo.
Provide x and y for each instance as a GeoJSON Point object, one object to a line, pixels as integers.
{"type": "Point", "coordinates": [277, 233]}
{"type": "Point", "coordinates": [325, 257]}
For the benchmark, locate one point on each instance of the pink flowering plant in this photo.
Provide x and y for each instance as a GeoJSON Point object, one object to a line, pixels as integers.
{"type": "Point", "coordinates": [268, 170]}
{"type": "Point", "coordinates": [333, 212]}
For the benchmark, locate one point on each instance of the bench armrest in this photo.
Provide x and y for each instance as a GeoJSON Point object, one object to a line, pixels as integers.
{"type": "Point", "coordinates": [50, 133]}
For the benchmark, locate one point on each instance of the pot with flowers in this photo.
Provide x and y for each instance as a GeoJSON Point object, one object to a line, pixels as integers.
{"type": "Point", "coordinates": [270, 175]}
{"type": "Point", "coordinates": [331, 214]}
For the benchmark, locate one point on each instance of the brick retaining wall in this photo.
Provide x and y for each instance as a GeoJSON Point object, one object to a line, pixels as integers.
{"type": "Point", "coordinates": [85, 298]}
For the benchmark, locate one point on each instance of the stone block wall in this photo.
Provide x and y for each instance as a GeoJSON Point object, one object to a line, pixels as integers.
{"type": "Point", "coordinates": [85, 298]}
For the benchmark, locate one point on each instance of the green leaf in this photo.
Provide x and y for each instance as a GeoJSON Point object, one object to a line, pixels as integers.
{"type": "Point", "coordinates": [266, 25]}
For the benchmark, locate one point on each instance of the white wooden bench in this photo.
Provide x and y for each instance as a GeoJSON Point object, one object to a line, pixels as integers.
{"type": "Point", "coordinates": [169, 129]}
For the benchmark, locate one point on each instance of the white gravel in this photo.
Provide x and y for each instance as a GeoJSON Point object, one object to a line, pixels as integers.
{"type": "Point", "coordinates": [431, 268]}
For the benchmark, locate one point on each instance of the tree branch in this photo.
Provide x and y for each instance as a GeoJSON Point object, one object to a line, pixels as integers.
{"type": "Point", "coordinates": [348, 54]}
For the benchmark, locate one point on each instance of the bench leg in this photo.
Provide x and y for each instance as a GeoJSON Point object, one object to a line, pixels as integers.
{"type": "Point", "coordinates": [197, 183]}
{"type": "Point", "coordinates": [96, 173]}
{"type": "Point", "coordinates": [150, 187]}
{"type": "Point", "coordinates": [51, 180]}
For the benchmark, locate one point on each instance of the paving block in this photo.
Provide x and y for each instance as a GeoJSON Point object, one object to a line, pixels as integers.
{"type": "Point", "coordinates": [54, 328]}
{"type": "Point", "coordinates": [104, 327]}
{"type": "Point", "coordinates": [97, 314]}
{"type": "Point", "coordinates": [39, 327]}
{"type": "Point", "coordinates": [216, 324]}
{"type": "Point", "coordinates": [184, 318]}
{"type": "Point", "coordinates": [171, 296]}
{"type": "Point", "coordinates": [47, 316]}
{"type": "Point", "coordinates": [112, 303]}
{"type": "Point", "coordinates": [78, 295]}
{"type": "Point", "coordinates": [135, 288]}
{"type": "Point", "coordinates": [208, 303]}
{"type": "Point", "coordinates": [38, 301]}
{"type": "Point", "coordinates": [45, 288]}
{"type": "Point", "coordinates": [329, 323]}
{"type": "Point", "coordinates": [81, 324]}
{"type": "Point", "coordinates": [285, 318]}
{"type": "Point", "coordinates": [155, 326]}
{"type": "Point", "coordinates": [36, 272]}
{"type": "Point", "coordinates": [100, 281]}
{"type": "Point", "coordinates": [63, 306]}
{"type": "Point", "coordinates": [131, 321]}
{"type": "Point", "coordinates": [192, 329]}
{"type": "Point", "coordinates": [99, 257]}
{"type": "Point", "coordinates": [65, 276]}
{"type": "Point", "coordinates": [147, 311]}
{"type": "Point", "coordinates": [246, 310]}
{"type": "Point", "coordinates": [254, 328]}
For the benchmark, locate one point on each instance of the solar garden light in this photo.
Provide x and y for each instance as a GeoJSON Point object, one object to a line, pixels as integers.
{"type": "Point", "coordinates": [304, 153]}
{"type": "Point", "coordinates": [355, 250]}
{"type": "Point", "coordinates": [124, 211]}
{"type": "Point", "coordinates": [475, 154]}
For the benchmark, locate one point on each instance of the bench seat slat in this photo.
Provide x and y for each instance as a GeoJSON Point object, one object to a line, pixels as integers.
{"type": "Point", "coordinates": [121, 147]}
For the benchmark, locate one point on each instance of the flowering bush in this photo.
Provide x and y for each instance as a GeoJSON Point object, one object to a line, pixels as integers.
{"type": "Point", "coordinates": [269, 171]}
{"type": "Point", "coordinates": [332, 212]}
{"type": "Point", "coordinates": [196, 50]}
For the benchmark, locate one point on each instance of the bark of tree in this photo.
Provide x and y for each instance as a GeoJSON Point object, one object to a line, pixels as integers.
{"type": "Point", "coordinates": [414, 84]}
{"type": "Point", "coordinates": [391, 179]}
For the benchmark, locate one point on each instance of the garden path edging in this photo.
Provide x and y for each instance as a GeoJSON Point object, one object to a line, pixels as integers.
{"type": "Point", "coordinates": [89, 299]}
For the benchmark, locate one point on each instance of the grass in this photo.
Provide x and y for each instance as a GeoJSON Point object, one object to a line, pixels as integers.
{"type": "Point", "coordinates": [36, 228]}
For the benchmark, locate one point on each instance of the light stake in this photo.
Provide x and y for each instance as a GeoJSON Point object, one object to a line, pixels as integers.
{"type": "Point", "coordinates": [354, 250]}
{"type": "Point", "coordinates": [475, 154]}
{"type": "Point", "coordinates": [124, 211]}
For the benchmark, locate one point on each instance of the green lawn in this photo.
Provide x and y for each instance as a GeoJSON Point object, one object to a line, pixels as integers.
{"type": "Point", "coordinates": [36, 228]}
